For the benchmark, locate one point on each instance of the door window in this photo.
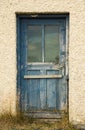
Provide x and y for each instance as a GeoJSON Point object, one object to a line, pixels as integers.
{"type": "Point", "coordinates": [34, 44]}
{"type": "Point", "coordinates": [43, 43]}
{"type": "Point", "coordinates": [52, 44]}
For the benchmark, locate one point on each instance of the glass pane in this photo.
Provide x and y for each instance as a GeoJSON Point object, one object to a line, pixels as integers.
{"type": "Point", "coordinates": [52, 44]}
{"type": "Point", "coordinates": [34, 44]}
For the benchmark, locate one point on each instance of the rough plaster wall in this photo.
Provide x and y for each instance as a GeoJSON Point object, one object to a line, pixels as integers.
{"type": "Point", "coordinates": [8, 70]}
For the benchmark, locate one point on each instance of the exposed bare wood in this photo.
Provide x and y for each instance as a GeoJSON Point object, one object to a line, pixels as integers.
{"type": "Point", "coordinates": [41, 76]}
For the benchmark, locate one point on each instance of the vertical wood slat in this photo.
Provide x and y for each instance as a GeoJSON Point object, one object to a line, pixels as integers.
{"type": "Point", "coordinates": [52, 92]}
{"type": "Point", "coordinates": [34, 92]}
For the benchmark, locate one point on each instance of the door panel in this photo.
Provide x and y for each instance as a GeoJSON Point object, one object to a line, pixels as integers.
{"type": "Point", "coordinates": [34, 91]}
{"type": "Point", "coordinates": [52, 92]}
{"type": "Point", "coordinates": [42, 66]}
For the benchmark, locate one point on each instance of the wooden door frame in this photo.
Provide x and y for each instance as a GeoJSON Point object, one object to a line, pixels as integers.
{"type": "Point", "coordinates": [18, 19]}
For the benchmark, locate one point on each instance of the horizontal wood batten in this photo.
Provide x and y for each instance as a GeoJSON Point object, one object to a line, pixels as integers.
{"type": "Point", "coordinates": [41, 76]}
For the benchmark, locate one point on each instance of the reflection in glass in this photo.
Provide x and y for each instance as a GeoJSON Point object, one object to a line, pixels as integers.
{"type": "Point", "coordinates": [52, 44]}
{"type": "Point", "coordinates": [34, 51]}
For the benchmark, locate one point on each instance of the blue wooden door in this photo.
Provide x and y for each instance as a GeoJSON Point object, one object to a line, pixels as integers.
{"type": "Point", "coordinates": [43, 87]}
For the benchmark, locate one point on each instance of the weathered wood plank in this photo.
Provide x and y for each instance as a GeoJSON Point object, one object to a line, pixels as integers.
{"type": "Point", "coordinates": [45, 115]}
{"type": "Point", "coordinates": [41, 76]}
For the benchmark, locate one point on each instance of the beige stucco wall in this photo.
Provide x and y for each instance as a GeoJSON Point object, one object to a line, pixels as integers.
{"type": "Point", "coordinates": [8, 69]}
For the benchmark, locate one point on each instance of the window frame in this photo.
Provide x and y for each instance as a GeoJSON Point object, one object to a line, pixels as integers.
{"type": "Point", "coordinates": [42, 43]}
{"type": "Point", "coordinates": [20, 16]}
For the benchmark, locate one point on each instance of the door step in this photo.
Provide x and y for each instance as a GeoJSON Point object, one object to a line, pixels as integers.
{"type": "Point", "coordinates": [45, 115]}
